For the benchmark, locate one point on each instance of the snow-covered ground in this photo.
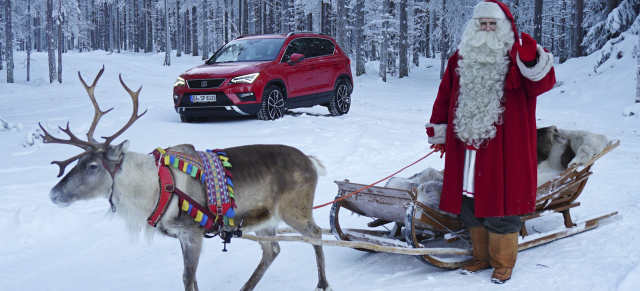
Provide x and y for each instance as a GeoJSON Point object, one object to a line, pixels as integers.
{"type": "Point", "coordinates": [44, 247]}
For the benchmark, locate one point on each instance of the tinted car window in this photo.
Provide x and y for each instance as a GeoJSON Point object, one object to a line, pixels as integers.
{"type": "Point", "coordinates": [296, 46]}
{"type": "Point", "coordinates": [320, 47]}
{"type": "Point", "coordinates": [248, 51]}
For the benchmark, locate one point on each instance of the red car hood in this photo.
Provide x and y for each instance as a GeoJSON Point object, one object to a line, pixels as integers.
{"type": "Point", "coordinates": [223, 70]}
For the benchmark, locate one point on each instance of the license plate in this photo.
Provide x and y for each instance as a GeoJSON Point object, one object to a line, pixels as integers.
{"type": "Point", "coordinates": [203, 98]}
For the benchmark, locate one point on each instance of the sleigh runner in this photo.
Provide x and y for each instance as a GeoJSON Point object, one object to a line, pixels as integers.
{"type": "Point", "coordinates": [419, 226]}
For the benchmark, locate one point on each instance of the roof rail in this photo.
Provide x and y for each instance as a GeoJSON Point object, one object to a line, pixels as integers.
{"type": "Point", "coordinates": [244, 35]}
{"type": "Point", "coordinates": [302, 32]}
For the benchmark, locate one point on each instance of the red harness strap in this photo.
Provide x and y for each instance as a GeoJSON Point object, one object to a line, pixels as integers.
{"type": "Point", "coordinates": [167, 187]}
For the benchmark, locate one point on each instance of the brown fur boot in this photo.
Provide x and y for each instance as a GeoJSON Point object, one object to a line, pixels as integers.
{"type": "Point", "coordinates": [480, 244]}
{"type": "Point", "coordinates": [503, 251]}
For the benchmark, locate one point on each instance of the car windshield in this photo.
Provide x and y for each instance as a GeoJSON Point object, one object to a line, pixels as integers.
{"type": "Point", "coordinates": [248, 50]}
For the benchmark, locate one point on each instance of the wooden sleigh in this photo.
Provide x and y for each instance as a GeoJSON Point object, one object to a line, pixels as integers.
{"type": "Point", "coordinates": [417, 226]}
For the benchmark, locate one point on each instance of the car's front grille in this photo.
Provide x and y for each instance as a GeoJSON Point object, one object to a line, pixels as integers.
{"type": "Point", "coordinates": [221, 100]}
{"type": "Point", "coordinates": [205, 83]}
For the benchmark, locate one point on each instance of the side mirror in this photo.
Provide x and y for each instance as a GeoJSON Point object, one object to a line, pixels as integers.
{"type": "Point", "coordinates": [296, 58]}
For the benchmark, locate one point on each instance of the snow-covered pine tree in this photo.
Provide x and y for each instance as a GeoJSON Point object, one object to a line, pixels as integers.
{"type": "Point", "coordinates": [617, 21]}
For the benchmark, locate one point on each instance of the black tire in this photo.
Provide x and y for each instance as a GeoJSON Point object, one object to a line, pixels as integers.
{"type": "Point", "coordinates": [273, 104]}
{"type": "Point", "coordinates": [185, 118]}
{"type": "Point", "coordinates": [341, 101]}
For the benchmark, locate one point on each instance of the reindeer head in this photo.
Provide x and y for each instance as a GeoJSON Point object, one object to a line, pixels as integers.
{"type": "Point", "coordinates": [98, 164]}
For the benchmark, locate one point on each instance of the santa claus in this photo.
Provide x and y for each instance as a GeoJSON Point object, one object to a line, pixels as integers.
{"type": "Point", "coordinates": [484, 119]}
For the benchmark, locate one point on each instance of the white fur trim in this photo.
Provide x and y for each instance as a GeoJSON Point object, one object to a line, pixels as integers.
{"type": "Point", "coordinates": [440, 133]}
{"type": "Point", "coordinates": [541, 69]}
{"type": "Point", "coordinates": [488, 10]}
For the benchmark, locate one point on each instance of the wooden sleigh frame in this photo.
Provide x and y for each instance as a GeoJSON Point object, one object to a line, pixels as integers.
{"type": "Point", "coordinates": [425, 228]}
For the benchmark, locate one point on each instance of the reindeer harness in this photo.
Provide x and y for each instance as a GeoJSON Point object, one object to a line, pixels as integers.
{"type": "Point", "coordinates": [210, 168]}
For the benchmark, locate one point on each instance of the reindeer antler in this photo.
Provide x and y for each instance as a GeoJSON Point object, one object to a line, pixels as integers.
{"type": "Point", "coordinates": [73, 140]}
{"type": "Point", "coordinates": [90, 145]}
{"type": "Point", "coordinates": [98, 113]}
{"type": "Point", "coordinates": [134, 114]}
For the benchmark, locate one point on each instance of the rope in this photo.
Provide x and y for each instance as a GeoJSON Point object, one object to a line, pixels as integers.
{"type": "Point", "coordinates": [371, 185]}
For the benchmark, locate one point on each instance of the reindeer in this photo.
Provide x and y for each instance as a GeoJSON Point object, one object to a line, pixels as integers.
{"type": "Point", "coordinates": [272, 183]}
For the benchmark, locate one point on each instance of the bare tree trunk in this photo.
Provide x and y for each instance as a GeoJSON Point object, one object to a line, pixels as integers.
{"type": "Point", "coordinates": [1, 51]}
{"type": "Point", "coordinates": [563, 32]}
{"type": "Point", "coordinates": [205, 30]}
{"type": "Point", "coordinates": [638, 75]}
{"type": "Point", "coordinates": [194, 31]}
{"type": "Point", "coordinates": [403, 39]}
{"type": "Point", "coordinates": [118, 31]}
{"type": "Point", "coordinates": [245, 17]}
{"type": "Point", "coordinates": [444, 40]}
{"type": "Point", "coordinates": [341, 23]}
{"type": "Point", "coordinates": [28, 40]}
{"type": "Point", "coordinates": [384, 45]}
{"type": "Point", "coordinates": [537, 21]}
{"type": "Point", "coordinates": [60, 40]}
{"type": "Point", "coordinates": [187, 32]}
{"type": "Point", "coordinates": [360, 69]}
{"type": "Point", "coordinates": [579, 31]}
{"type": "Point", "coordinates": [167, 40]}
{"type": "Point", "coordinates": [417, 41]}
{"type": "Point", "coordinates": [178, 29]}
{"type": "Point", "coordinates": [149, 26]}
{"type": "Point", "coordinates": [9, 40]}
{"type": "Point", "coordinates": [325, 22]}
{"type": "Point", "coordinates": [51, 43]}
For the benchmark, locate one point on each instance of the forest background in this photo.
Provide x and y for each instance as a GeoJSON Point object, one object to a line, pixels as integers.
{"type": "Point", "coordinates": [395, 32]}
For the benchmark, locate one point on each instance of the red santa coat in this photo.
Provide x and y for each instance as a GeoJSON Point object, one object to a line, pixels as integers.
{"type": "Point", "coordinates": [506, 166]}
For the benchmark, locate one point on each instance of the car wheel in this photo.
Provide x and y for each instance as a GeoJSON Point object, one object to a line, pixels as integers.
{"type": "Point", "coordinates": [185, 118]}
{"type": "Point", "coordinates": [273, 104]}
{"type": "Point", "coordinates": [341, 101]}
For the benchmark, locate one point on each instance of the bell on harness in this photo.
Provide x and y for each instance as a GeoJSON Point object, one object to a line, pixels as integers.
{"type": "Point", "coordinates": [227, 235]}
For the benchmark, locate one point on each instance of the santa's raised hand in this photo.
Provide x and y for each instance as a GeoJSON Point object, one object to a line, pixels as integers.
{"type": "Point", "coordinates": [527, 48]}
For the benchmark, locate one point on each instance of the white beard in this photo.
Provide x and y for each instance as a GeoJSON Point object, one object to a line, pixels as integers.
{"type": "Point", "coordinates": [482, 69]}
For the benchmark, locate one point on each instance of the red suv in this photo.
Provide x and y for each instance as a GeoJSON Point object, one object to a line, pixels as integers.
{"type": "Point", "coordinates": [265, 74]}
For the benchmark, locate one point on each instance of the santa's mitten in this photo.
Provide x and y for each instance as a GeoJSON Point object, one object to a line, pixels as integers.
{"type": "Point", "coordinates": [527, 49]}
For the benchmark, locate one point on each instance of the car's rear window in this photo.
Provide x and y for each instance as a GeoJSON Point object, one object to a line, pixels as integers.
{"type": "Point", "coordinates": [248, 50]}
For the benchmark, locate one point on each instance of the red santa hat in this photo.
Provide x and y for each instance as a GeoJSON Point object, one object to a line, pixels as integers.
{"type": "Point", "coordinates": [498, 10]}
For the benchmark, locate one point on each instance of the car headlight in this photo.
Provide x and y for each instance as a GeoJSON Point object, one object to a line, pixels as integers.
{"type": "Point", "coordinates": [179, 82]}
{"type": "Point", "coordinates": [248, 79]}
